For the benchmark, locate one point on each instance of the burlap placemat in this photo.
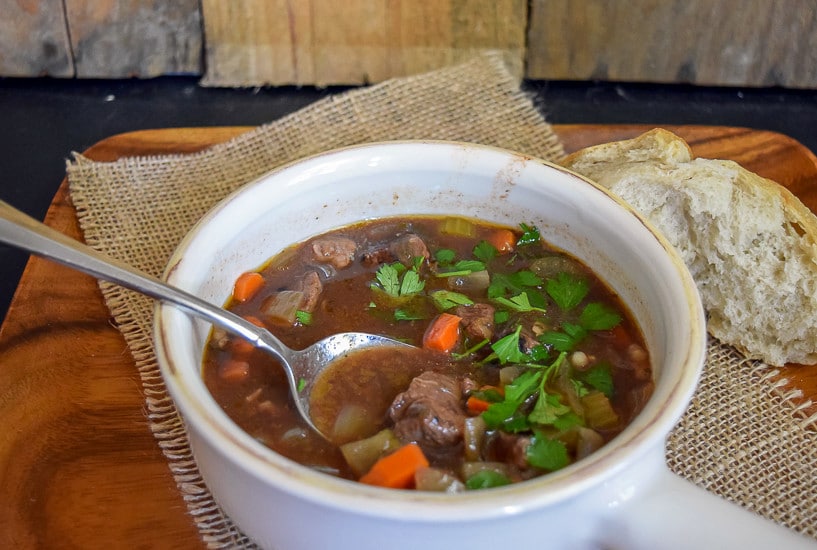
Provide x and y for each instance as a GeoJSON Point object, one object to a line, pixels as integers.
{"type": "Point", "coordinates": [742, 438]}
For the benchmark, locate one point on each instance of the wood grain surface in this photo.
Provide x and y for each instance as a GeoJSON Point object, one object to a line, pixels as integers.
{"type": "Point", "coordinates": [257, 42]}
{"type": "Point", "coordinates": [79, 467]}
{"type": "Point", "coordinates": [714, 42]}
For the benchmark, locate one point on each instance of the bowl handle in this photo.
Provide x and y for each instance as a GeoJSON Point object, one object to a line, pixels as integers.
{"type": "Point", "coordinates": [673, 513]}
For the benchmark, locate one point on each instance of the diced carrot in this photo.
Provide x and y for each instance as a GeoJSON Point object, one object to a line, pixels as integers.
{"type": "Point", "coordinates": [621, 338]}
{"type": "Point", "coordinates": [443, 333]}
{"type": "Point", "coordinates": [247, 285]}
{"type": "Point", "coordinates": [504, 240]}
{"type": "Point", "coordinates": [240, 347]}
{"type": "Point", "coordinates": [234, 370]}
{"type": "Point", "coordinates": [396, 470]}
{"type": "Point", "coordinates": [475, 405]}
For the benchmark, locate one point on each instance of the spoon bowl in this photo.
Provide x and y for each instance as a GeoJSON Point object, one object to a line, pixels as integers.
{"type": "Point", "coordinates": [302, 367]}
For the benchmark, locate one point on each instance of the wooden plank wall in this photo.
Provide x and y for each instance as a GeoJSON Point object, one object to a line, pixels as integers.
{"type": "Point", "coordinates": [713, 42]}
{"type": "Point", "coordinates": [100, 38]}
{"type": "Point", "coordinates": [254, 42]}
{"type": "Point", "coordinates": [323, 42]}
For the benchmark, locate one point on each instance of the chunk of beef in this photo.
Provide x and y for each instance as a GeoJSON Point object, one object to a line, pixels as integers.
{"type": "Point", "coordinates": [477, 320]}
{"type": "Point", "coordinates": [312, 287]}
{"type": "Point", "coordinates": [509, 448]}
{"type": "Point", "coordinates": [430, 412]}
{"type": "Point", "coordinates": [338, 252]}
{"type": "Point", "coordinates": [377, 256]}
{"type": "Point", "coordinates": [407, 247]}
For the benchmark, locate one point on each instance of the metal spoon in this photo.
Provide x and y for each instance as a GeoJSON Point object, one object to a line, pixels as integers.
{"type": "Point", "coordinates": [302, 367]}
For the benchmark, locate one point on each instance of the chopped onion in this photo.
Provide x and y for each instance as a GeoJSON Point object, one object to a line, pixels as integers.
{"type": "Point", "coordinates": [282, 306]}
{"type": "Point", "coordinates": [473, 436]}
{"type": "Point", "coordinates": [361, 455]}
{"type": "Point", "coordinates": [434, 479]}
{"type": "Point", "coordinates": [509, 374]}
{"type": "Point", "coordinates": [473, 282]}
{"type": "Point", "coordinates": [470, 469]}
{"type": "Point", "coordinates": [588, 442]}
{"type": "Point", "coordinates": [352, 423]}
{"type": "Point", "coordinates": [598, 412]}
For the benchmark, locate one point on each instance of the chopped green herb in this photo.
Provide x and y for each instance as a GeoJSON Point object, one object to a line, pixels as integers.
{"type": "Point", "coordinates": [485, 251]}
{"type": "Point", "coordinates": [566, 290]}
{"type": "Point", "coordinates": [303, 317]}
{"type": "Point", "coordinates": [520, 303]}
{"type": "Point", "coordinates": [446, 299]}
{"type": "Point", "coordinates": [567, 421]}
{"type": "Point", "coordinates": [548, 454]}
{"type": "Point", "coordinates": [402, 314]}
{"type": "Point", "coordinates": [411, 283]}
{"type": "Point", "coordinates": [566, 339]}
{"type": "Point", "coordinates": [445, 256]}
{"type": "Point", "coordinates": [501, 316]}
{"type": "Point", "coordinates": [579, 387]}
{"type": "Point", "coordinates": [524, 386]}
{"type": "Point", "coordinates": [548, 409]}
{"type": "Point", "coordinates": [597, 316]}
{"type": "Point", "coordinates": [504, 413]}
{"type": "Point", "coordinates": [301, 384]}
{"type": "Point", "coordinates": [513, 283]}
{"type": "Point", "coordinates": [486, 479]}
{"type": "Point", "coordinates": [530, 235]}
{"type": "Point", "coordinates": [388, 275]}
{"type": "Point", "coordinates": [507, 349]}
{"type": "Point", "coordinates": [462, 268]}
{"type": "Point", "coordinates": [389, 279]}
{"type": "Point", "coordinates": [473, 349]}
{"type": "Point", "coordinates": [599, 377]}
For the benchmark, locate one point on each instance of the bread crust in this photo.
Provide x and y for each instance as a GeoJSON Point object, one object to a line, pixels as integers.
{"type": "Point", "coordinates": [750, 244]}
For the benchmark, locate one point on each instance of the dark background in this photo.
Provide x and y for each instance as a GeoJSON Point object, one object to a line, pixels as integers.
{"type": "Point", "coordinates": [43, 120]}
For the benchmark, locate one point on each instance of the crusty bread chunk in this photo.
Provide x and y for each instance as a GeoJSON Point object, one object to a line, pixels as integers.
{"type": "Point", "coordinates": [748, 242]}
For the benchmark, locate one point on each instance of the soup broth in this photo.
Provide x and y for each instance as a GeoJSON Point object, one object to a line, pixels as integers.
{"type": "Point", "coordinates": [527, 360]}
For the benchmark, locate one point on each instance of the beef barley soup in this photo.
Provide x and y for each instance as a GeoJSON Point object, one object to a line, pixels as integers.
{"type": "Point", "coordinates": [527, 360]}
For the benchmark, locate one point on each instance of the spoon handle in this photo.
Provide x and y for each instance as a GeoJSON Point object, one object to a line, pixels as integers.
{"type": "Point", "coordinates": [22, 231]}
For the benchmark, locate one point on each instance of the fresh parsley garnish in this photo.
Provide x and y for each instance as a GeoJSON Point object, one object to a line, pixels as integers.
{"type": "Point", "coordinates": [599, 377]}
{"type": "Point", "coordinates": [445, 256]}
{"type": "Point", "coordinates": [566, 339]}
{"type": "Point", "coordinates": [411, 283]}
{"type": "Point", "coordinates": [303, 317]}
{"type": "Point", "coordinates": [446, 299]}
{"type": "Point", "coordinates": [503, 284]}
{"type": "Point", "coordinates": [546, 453]}
{"type": "Point", "coordinates": [485, 251]}
{"type": "Point", "coordinates": [486, 479]}
{"type": "Point", "coordinates": [388, 276]}
{"type": "Point", "coordinates": [507, 350]}
{"type": "Point", "coordinates": [530, 235]}
{"type": "Point", "coordinates": [462, 268]}
{"type": "Point", "coordinates": [520, 303]}
{"type": "Point", "coordinates": [403, 314]}
{"type": "Point", "coordinates": [598, 316]}
{"type": "Point", "coordinates": [566, 290]}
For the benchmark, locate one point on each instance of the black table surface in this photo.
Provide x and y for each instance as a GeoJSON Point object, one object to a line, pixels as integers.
{"type": "Point", "coordinates": [44, 120]}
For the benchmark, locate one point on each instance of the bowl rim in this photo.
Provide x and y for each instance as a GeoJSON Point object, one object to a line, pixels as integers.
{"type": "Point", "coordinates": [266, 465]}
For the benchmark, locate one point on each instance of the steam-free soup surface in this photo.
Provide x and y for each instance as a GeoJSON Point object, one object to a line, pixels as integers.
{"type": "Point", "coordinates": [527, 360]}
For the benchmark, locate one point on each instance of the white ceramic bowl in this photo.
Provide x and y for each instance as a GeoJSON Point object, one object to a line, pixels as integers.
{"type": "Point", "coordinates": [605, 499]}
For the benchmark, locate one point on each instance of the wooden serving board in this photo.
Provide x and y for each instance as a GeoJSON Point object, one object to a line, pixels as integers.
{"type": "Point", "coordinates": [79, 467]}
